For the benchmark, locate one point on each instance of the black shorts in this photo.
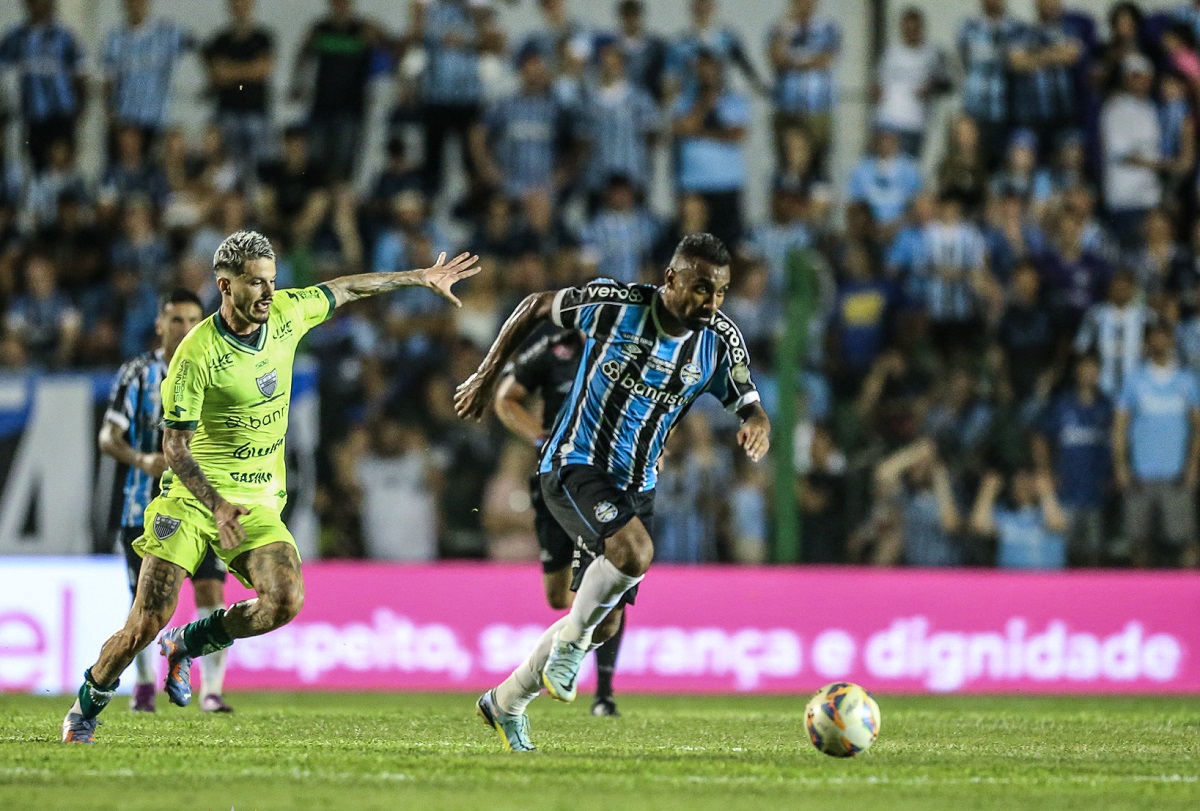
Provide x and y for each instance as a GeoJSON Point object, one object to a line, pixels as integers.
{"type": "Point", "coordinates": [589, 507]}
{"type": "Point", "coordinates": [558, 550]}
{"type": "Point", "coordinates": [211, 568]}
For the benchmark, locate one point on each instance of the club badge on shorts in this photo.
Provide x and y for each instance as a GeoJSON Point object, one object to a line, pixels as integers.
{"type": "Point", "coordinates": [164, 526]}
{"type": "Point", "coordinates": [267, 383]}
{"type": "Point", "coordinates": [605, 512]}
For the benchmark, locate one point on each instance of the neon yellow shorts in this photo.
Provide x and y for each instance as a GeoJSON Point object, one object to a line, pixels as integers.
{"type": "Point", "coordinates": [181, 530]}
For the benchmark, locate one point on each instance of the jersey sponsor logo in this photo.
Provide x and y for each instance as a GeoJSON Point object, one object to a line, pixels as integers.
{"type": "Point", "coordinates": [180, 382]}
{"type": "Point", "coordinates": [612, 370]}
{"type": "Point", "coordinates": [238, 421]}
{"type": "Point", "coordinates": [690, 374]}
{"type": "Point", "coordinates": [605, 512]}
{"type": "Point", "coordinates": [284, 330]}
{"type": "Point", "coordinates": [220, 363]}
{"type": "Point", "coordinates": [177, 411]}
{"type": "Point", "coordinates": [164, 526]}
{"type": "Point", "coordinates": [659, 365]}
{"type": "Point", "coordinates": [306, 293]}
{"type": "Point", "coordinates": [267, 383]}
{"type": "Point", "coordinates": [741, 373]}
{"type": "Point", "coordinates": [251, 476]}
{"type": "Point", "coordinates": [608, 291]}
{"type": "Point", "coordinates": [729, 332]}
{"type": "Point", "coordinates": [248, 451]}
{"type": "Point", "coordinates": [262, 363]}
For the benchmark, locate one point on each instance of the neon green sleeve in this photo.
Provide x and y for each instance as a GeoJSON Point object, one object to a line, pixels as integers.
{"type": "Point", "coordinates": [306, 306]}
{"type": "Point", "coordinates": [183, 390]}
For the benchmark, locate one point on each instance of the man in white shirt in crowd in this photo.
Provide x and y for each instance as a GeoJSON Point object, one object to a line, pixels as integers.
{"type": "Point", "coordinates": [911, 73]}
{"type": "Point", "coordinates": [1130, 134]}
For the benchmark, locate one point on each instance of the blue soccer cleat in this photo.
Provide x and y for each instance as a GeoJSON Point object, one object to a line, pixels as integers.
{"type": "Point", "coordinates": [512, 729]}
{"type": "Point", "coordinates": [179, 667]}
{"type": "Point", "coordinates": [561, 672]}
{"type": "Point", "coordinates": [77, 729]}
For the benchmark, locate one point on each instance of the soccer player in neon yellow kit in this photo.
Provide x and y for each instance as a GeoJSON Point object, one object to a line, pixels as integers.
{"type": "Point", "coordinates": [225, 407]}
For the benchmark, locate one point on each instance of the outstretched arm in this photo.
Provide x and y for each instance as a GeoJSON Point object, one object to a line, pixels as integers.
{"type": "Point", "coordinates": [439, 278]}
{"type": "Point", "coordinates": [177, 448]}
{"type": "Point", "coordinates": [472, 397]}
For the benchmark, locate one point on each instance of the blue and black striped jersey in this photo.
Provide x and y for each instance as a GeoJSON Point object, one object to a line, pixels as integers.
{"type": "Point", "coordinates": [636, 381]}
{"type": "Point", "coordinates": [135, 405]}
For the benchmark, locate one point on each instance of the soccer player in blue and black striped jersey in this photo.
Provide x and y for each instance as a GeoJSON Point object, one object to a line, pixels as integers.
{"type": "Point", "coordinates": [649, 352]}
{"type": "Point", "coordinates": [132, 434]}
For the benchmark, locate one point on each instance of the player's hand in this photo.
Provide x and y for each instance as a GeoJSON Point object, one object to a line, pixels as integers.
{"type": "Point", "coordinates": [153, 464]}
{"type": "Point", "coordinates": [471, 399]}
{"type": "Point", "coordinates": [755, 436]}
{"type": "Point", "coordinates": [228, 526]}
{"type": "Point", "coordinates": [442, 276]}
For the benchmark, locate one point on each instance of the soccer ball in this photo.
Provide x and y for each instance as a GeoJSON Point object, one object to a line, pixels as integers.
{"type": "Point", "coordinates": [842, 719]}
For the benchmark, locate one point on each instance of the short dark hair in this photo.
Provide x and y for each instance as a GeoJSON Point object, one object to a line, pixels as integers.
{"type": "Point", "coordinates": [180, 296]}
{"type": "Point", "coordinates": [704, 247]}
{"type": "Point", "coordinates": [239, 248]}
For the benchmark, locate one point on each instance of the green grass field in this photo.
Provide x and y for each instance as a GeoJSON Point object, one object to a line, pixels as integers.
{"type": "Point", "coordinates": [424, 752]}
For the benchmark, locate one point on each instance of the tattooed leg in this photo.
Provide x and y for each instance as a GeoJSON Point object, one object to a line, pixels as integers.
{"type": "Point", "coordinates": [157, 593]}
{"type": "Point", "coordinates": [274, 571]}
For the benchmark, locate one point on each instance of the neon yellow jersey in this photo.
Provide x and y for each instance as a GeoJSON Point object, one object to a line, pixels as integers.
{"type": "Point", "coordinates": [235, 396]}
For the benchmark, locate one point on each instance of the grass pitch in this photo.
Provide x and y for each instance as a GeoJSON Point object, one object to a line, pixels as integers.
{"type": "Point", "coordinates": [424, 752]}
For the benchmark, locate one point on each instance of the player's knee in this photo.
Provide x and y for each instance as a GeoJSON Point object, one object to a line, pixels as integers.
{"type": "Point", "coordinates": [144, 626]}
{"type": "Point", "coordinates": [630, 550]}
{"type": "Point", "coordinates": [283, 605]}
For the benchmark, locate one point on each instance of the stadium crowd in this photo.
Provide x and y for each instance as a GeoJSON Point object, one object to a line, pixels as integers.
{"type": "Point", "coordinates": [976, 331]}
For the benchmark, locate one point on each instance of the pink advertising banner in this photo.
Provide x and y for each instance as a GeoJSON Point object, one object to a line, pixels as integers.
{"type": "Point", "coordinates": [719, 629]}
{"type": "Point", "coordinates": [704, 629]}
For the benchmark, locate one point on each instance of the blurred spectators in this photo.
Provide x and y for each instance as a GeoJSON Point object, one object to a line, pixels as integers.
{"type": "Point", "coordinates": [912, 72]}
{"type": "Point", "coordinates": [710, 125]}
{"type": "Point", "coordinates": [42, 320]}
{"type": "Point", "coordinates": [1129, 130]}
{"type": "Point", "coordinates": [335, 63]}
{"type": "Point", "coordinates": [1156, 452]}
{"type": "Point", "coordinates": [48, 61]}
{"type": "Point", "coordinates": [240, 61]}
{"type": "Point", "coordinates": [985, 44]}
{"type": "Point", "coordinates": [139, 60]}
{"type": "Point", "coordinates": [971, 378]}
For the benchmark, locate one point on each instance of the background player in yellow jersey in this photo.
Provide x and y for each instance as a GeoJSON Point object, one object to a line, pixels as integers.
{"type": "Point", "coordinates": [225, 407]}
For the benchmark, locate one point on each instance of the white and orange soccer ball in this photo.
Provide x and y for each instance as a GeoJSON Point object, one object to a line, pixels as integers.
{"type": "Point", "coordinates": [842, 719]}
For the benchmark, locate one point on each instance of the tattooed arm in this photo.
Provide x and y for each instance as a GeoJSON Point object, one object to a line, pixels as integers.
{"type": "Point", "coordinates": [471, 399]}
{"type": "Point", "coordinates": [177, 448]}
{"type": "Point", "coordinates": [439, 278]}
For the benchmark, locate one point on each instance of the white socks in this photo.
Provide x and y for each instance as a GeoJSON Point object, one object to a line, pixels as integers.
{"type": "Point", "coordinates": [601, 589]}
{"type": "Point", "coordinates": [146, 672]}
{"type": "Point", "coordinates": [523, 685]}
{"type": "Point", "coordinates": [212, 666]}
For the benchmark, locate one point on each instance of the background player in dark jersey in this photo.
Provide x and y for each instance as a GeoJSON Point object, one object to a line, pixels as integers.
{"type": "Point", "coordinates": [546, 368]}
{"type": "Point", "coordinates": [650, 352]}
{"type": "Point", "coordinates": [132, 434]}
